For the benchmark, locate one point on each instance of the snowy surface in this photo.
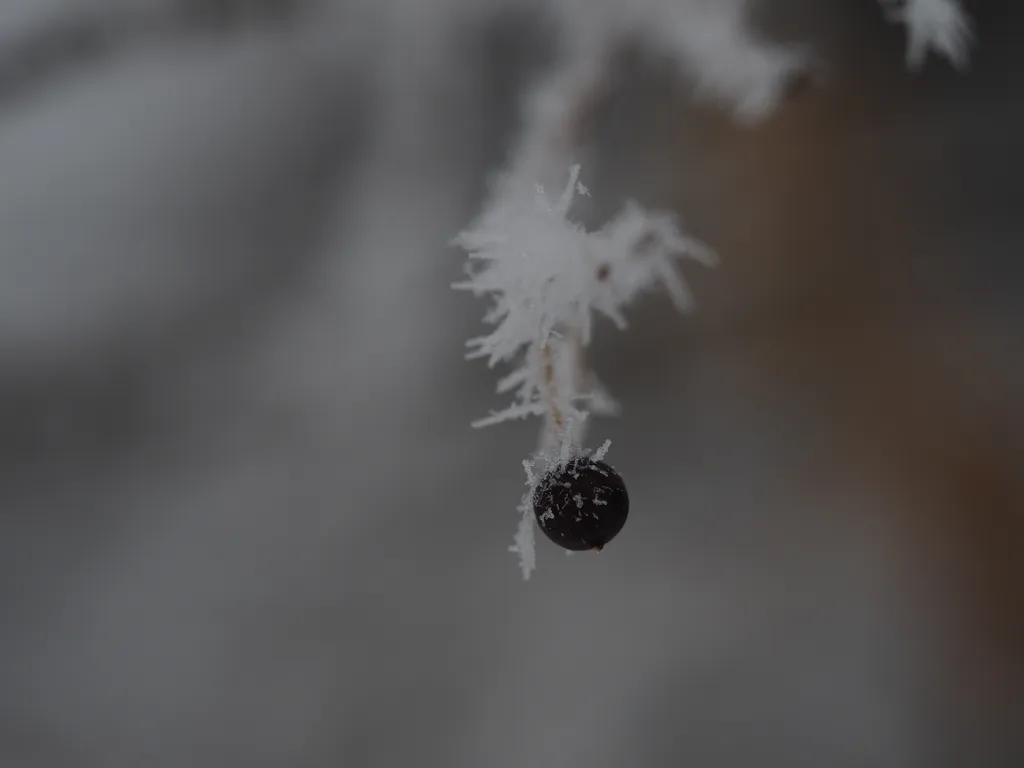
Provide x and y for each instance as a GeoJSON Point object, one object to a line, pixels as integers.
{"type": "Point", "coordinates": [243, 518]}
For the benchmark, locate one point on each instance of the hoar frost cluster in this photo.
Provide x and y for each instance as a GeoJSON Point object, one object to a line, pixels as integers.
{"type": "Point", "coordinates": [548, 276]}
{"type": "Point", "coordinates": [545, 275]}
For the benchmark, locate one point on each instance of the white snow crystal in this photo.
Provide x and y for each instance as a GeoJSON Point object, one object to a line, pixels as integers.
{"type": "Point", "coordinates": [546, 276]}
{"type": "Point", "coordinates": [524, 541]}
{"type": "Point", "coordinates": [939, 25]}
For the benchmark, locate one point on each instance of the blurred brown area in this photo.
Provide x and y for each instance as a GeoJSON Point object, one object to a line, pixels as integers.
{"type": "Point", "coordinates": [846, 289]}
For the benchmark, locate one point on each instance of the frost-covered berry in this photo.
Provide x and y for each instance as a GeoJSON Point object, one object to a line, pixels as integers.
{"type": "Point", "coordinates": [581, 505]}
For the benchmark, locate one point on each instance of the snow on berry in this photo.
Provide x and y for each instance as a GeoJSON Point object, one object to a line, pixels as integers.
{"type": "Point", "coordinates": [582, 505]}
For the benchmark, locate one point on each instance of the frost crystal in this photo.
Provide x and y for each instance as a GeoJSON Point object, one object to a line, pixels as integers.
{"type": "Point", "coordinates": [939, 25]}
{"type": "Point", "coordinates": [546, 277]}
{"type": "Point", "coordinates": [524, 541]}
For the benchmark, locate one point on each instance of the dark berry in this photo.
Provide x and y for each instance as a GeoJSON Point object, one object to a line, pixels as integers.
{"type": "Point", "coordinates": [581, 505]}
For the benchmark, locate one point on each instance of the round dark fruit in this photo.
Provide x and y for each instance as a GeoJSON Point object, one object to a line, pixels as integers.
{"type": "Point", "coordinates": [581, 505]}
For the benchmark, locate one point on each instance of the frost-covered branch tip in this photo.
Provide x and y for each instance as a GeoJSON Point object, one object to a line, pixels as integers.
{"type": "Point", "coordinates": [546, 277]}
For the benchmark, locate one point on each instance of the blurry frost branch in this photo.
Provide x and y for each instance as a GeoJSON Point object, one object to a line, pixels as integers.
{"type": "Point", "coordinates": [708, 38]}
{"type": "Point", "coordinates": [544, 274]}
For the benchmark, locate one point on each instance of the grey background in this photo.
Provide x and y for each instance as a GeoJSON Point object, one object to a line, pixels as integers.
{"type": "Point", "coordinates": [243, 519]}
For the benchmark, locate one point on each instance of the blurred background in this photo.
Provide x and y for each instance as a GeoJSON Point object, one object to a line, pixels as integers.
{"type": "Point", "coordinates": [243, 518]}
